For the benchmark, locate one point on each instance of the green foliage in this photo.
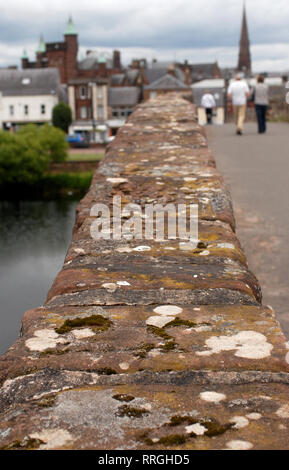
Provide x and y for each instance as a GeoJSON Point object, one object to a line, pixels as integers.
{"type": "Point", "coordinates": [26, 154]}
{"type": "Point", "coordinates": [62, 116]}
{"type": "Point", "coordinates": [74, 181]}
{"type": "Point", "coordinates": [54, 141]}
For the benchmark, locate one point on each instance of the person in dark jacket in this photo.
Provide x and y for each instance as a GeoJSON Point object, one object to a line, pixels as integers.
{"type": "Point", "coordinates": [261, 100]}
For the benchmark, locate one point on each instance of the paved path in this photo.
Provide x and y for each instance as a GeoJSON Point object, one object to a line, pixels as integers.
{"type": "Point", "coordinates": [256, 168]}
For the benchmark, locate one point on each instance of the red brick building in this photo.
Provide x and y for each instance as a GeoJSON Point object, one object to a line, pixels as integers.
{"type": "Point", "coordinates": [64, 56]}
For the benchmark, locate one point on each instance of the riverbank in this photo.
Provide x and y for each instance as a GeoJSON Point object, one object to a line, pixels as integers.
{"type": "Point", "coordinates": [70, 179]}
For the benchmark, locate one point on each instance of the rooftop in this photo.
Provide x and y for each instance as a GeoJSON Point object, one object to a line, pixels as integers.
{"type": "Point", "coordinates": [44, 81]}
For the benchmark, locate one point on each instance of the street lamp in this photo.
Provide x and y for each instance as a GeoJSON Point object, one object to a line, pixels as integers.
{"type": "Point", "coordinates": [227, 79]}
{"type": "Point", "coordinates": [92, 112]}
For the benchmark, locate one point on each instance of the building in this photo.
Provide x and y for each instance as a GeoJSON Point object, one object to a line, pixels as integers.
{"type": "Point", "coordinates": [202, 71]}
{"type": "Point", "coordinates": [88, 100]}
{"type": "Point", "coordinates": [244, 62]}
{"type": "Point", "coordinates": [165, 84]}
{"type": "Point", "coordinates": [64, 56]}
{"type": "Point", "coordinates": [28, 96]}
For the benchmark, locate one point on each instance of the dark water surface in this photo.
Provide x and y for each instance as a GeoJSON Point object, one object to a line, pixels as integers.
{"type": "Point", "coordinates": [34, 237]}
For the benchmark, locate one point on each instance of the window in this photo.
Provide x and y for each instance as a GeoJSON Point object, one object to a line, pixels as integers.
{"type": "Point", "coordinates": [26, 109]}
{"type": "Point", "coordinates": [115, 113]}
{"type": "Point", "coordinates": [83, 112]}
{"type": "Point", "coordinates": [83, 93]}
{"type": "Point", "coordinates": [100, 112]}
{"type": "Point", "coordinates": [42, 109]}
{"type": "Point", "coordinates": [99, 93]}
{"type": "Point", "coordinates": [11, 110]}
{"type": "Point", "coordinates": [153, 94]}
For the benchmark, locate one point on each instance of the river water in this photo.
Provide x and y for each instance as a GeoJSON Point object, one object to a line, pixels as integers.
{"type": "Point", "coordinates": [34, 237]}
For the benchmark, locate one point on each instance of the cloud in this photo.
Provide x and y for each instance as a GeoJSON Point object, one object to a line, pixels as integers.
{"type": "Point", "coordinates": [182, 28]}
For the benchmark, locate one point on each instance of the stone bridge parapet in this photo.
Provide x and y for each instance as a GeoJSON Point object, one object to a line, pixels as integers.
{"type": "Point", "coordinates": [146, 344]}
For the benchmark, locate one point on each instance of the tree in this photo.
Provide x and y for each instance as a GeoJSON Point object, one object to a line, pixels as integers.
{"type": "Point", "coordinates": [62, 116]}
{"type": "Point", "coordinates": [54, 142]}
{"type": "Point", "coordinates": [22, 160]}
{"type": "Point", "coordinates": [25, 155]}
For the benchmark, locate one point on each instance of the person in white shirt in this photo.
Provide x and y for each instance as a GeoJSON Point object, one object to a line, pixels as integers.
{"type": "Point", "coordinates": [239, 92]}
{"type": "Point", "coordinates": [208, 102]}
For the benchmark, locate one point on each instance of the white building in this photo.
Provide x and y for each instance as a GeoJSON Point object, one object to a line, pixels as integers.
{"type": "Point", "coordinates": [28, 96]}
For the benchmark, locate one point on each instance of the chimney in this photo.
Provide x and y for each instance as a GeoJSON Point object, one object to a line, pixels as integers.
{"type": "Point", "coordinates": [171, 70]}
{"type": "Point", "coordinates": [188, 80]}
{"type": "Point", "coordinates": [116, 60]}
{"type": "Point", "coordinates": [24, 60]}
{"type": "Point", "coordinates": [102, 66]}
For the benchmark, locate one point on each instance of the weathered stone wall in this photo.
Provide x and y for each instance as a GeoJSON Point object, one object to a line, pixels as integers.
{"type": "Point", "coordinates": [145, 344]}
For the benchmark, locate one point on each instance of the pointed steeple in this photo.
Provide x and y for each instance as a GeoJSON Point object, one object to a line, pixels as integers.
{"type": "Point", "coordinates": [70, 28]}
{"type": "Point", "coordinates": [244, 63]}
{"type": "Point", "coordinates": [41, 45]}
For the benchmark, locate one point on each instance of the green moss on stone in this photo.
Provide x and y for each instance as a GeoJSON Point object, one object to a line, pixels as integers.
{"type": "Point", "coordinates": [26, 444]}
{"type": "Point", "coordinates": [143, 349]}
{"type": "Point", "coordinates": [131, 412]}
{"type": "Point", "coordinates": [172, 440]}
{"type": "Point", "coordinates": [180, 322]}
{"type": "Point", "coordinates": [178, 420]}
{"type": "Point", "coordinates": [168, 346]}
{"type": "Point", "coordinates": [97, 322]}
{"type": "Point", "coordinates": [46, 402]}
{"type": "Point", "coordinates": [123, 397]}
{"type": "Point", "coordinates": [160, 332]}
{"type": "Point", "coordinates": [216, 429]}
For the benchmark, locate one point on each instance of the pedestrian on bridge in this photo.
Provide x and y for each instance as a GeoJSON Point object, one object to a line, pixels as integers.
{"type": "Point", "coordinates": [208, 102]}
{"type": "Point", "coordinates": [261, 100]}
{"type": "Point", "coordinates": [239, 92]}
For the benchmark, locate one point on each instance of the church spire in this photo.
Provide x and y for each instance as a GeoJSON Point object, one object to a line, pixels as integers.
{"type": "Point", "coordinates": [244, 64]}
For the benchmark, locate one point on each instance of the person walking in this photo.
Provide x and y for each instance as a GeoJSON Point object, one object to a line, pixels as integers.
{"type": "Point", "coordinates": [261, 100]}
{"type": "Point", "coordinates": [238, 92]}
{"type": "Point", "coordinates": [208, 102]}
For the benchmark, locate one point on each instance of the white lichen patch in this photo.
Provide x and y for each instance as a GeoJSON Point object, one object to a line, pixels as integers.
{"type": "Point", "coordinates": [187, 246]}
{"type": "Point", "coordinates": [123, 283]}
{"type": "Point", "coordinates": [213, 397]}
{"type": "Point", "coordinates": [254, 416]}
{"type": "Point", "coordinates": [248, 344]}
{"type": "Point", "coordinates": [123, 249]}
{"type": "Point", "coordinates": [53, 438]}
{"type": "Point", "coordinates": [239, 445]}
{"type": "Point", "coordinates": [228, 246]}
{"type": "Point", "coordinates": [168, 310]}
{"type": "Point", "coordinates": [204, 253]}
{"type": "Point", "coordinates": [197, 429]}
{"type": "Point", "coordinates": [239, 422]}
{"type": "Point", "coordinates": [283, 412]}
{"type": "Point", "coordinates": [159, 322]}
{"type": "Point", "coordinates": [154, 353]}
{"type": "Point", "coordinates": [83, 333]}
{"type": "Point", "coordinates": [79, 250]}
{"type": "Point", "coordinates": [189, 179]}
{"type": "Point", "coordinates": [116, 180]}
{"type": "Point", "coordinates": [124, 365]}
{"type": "Point", "coordinates": [44, 339]}
{"type": "Point", "coordinates": [111, 286]}
{"type": "Point", "coordinates": [142, 248]}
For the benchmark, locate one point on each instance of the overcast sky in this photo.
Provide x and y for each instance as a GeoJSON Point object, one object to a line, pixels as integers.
{"type": "Point", "coordinates": [197, 30]}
